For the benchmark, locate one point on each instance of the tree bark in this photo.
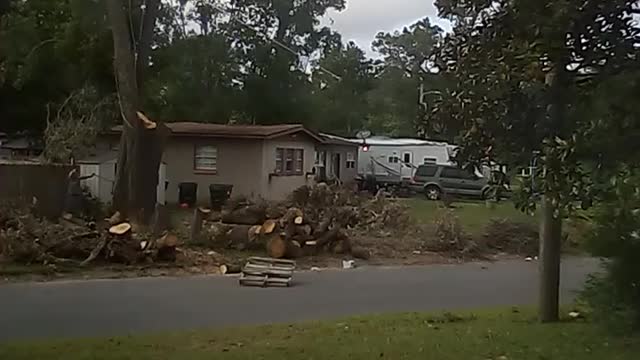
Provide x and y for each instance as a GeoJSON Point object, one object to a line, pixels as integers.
{"type": "Point", "coordinates": [196, 225]}
{"type": "Point", "coordinates": [551, 222]}
{"type": "Point", "coordinates": [550, 248]}
{"type": "Point", "coordinates": [146, 39]}
{"type": "Point", "coordinates": [141, 149]}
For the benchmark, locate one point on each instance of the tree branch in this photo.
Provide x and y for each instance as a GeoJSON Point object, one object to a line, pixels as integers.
{"type": "Point", "coordinates": [145, 39]}
{"type": "Point", "coordinates": [38, 46]}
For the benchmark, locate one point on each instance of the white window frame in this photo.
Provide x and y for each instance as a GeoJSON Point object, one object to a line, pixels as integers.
{"type": "Point", "coordinates": [351, 160]}
{"type": "Point", "coordinates": [205, 153]}
{"type": "Point", "coordinates": [428, 160]}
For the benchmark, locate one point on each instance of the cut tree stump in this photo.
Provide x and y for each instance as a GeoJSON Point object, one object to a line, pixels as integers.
{"type": "Point", "coordinates": [120, 229]}
{"type": "Point", "coordinates": [160, 221]}
{"type": "Point", "coordinates": [196, 223]}
{"type": "Point", "coordinates": [166, 247]}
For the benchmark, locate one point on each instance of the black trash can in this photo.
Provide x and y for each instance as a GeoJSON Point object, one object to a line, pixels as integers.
{"type": "Point", "coordinates": [188, 193]}
{"type": "Point", "coordinates": [219, 194]}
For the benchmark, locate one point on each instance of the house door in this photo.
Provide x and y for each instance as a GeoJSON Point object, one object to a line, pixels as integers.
{"type": "Point", "coordinates": [336, 165]}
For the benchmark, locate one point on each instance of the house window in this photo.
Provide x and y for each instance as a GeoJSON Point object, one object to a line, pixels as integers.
{"type": "Point", "coordinates": [393, 159]}
{"type": "Point", "coordinates": [299, 161]}
{"type": "Point", "coordinates": [351, 160]}
{"type": "Point", "coordinates": [206, 158]}
{"type": "Point", "coordinates": [289, 161]}
{"type": "Point", "coordinates": [321, 157]}
{"type": "Point", "coordinates": [429, 160]}
{"type": "Point", "coordinates": [406, 158]}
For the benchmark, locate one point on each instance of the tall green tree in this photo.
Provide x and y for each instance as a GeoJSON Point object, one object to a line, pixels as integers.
{"type": "Point", "coordinates": [524, 73]}
{"type": "Point", "coordinates": [275, 41]}
{"type": "Point", "coordinates": [342, 103]}
{"type": "Point", "coordinates": [49, 49]}
{"type": "Point", "coordinates": [396, 102]}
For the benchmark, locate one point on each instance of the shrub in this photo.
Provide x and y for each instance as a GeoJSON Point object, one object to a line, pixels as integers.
{"type": "Point", "coordinates": [614, 295]}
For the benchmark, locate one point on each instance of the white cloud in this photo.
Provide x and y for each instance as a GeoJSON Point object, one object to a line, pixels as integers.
{"type": "Point", "coordinates": [363, 19]}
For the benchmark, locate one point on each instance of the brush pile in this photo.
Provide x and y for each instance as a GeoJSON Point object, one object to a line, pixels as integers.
{"type": "Point", "coordinates": [315, 219]}
{"type": "Point", "coordinates": [28, 239]}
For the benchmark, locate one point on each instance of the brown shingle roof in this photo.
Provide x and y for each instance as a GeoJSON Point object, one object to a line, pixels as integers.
{"type": "Point", "coordinates": [233, 131]}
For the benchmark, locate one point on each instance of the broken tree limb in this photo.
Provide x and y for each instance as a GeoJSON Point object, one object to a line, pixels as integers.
{"type": "Point", "coordinates": [247, 215]}
{"type": "Point", "coordinates": [115, 219]}
{"type": "Point", "coordinates": [148, 124]}
{"type": "Point", "coordinates": [95, 252]}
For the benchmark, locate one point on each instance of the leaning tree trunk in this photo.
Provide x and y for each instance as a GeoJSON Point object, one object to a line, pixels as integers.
{"type": "Point", "coordinates": [141, 146]}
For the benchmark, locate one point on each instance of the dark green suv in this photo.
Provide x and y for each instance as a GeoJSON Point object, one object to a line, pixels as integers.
{"type": "Point", "coordinates": [433, 180]}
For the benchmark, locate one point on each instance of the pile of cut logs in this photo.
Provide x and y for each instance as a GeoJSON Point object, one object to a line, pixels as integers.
{"type": "Point", "coordinates": [290, 235]}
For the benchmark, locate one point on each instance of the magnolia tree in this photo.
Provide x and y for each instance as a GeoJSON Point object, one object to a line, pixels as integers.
{"type": "Point", "coordinates": [532, 78]}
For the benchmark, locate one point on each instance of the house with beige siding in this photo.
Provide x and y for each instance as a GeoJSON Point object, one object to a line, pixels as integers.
{"type": "Point", "coordinates": [337, 159]}
{"type": "Point", "coordinates": [260, 161]}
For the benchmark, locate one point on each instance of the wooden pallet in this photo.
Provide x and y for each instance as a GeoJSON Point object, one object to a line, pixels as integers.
{"type": "Point", "coordinates": [267, 272]}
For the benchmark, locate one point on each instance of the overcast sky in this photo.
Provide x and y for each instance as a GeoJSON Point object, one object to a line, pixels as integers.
{"type": "Point", "coordinates": [363, 19]}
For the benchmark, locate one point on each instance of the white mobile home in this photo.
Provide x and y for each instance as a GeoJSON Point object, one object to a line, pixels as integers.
{"type": "Point", "coordinates": [394, 160]}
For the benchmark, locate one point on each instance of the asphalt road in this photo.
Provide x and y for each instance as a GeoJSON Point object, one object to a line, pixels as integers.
{"type": "Point", "coordinates": [133, 306]}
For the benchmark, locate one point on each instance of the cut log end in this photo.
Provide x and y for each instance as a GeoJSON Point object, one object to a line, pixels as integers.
{"type": "Point", "coordinates": [269, 226]}
{"type": "Point", "coordinates": [226, 269]}
{"type": "Point", "coordinates": [148, 124]}
{"type": "Point", "coordinates": [276, 247]}
{"type": "Point", "coordinates": [120, 229]}
{"type": "Point", "coordinates": [298, 220]}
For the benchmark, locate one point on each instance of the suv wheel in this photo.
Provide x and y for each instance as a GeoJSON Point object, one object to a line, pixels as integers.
{"type": "Point", "coordinates": [432, 192]}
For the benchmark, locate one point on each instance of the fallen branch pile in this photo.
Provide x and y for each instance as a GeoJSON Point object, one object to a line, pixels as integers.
{"type": "Point", "coordinates": [500, 236]}
{"type": "Point", "coordinates": [315, 219]}
{"type": "Point", "coordinates": [28, 239]}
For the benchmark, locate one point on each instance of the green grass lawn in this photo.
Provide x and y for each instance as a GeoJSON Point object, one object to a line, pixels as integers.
{"type": "Point", "coordinates": [473, 215]}
{"type": "Point", "coordinates": [498, 335]}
